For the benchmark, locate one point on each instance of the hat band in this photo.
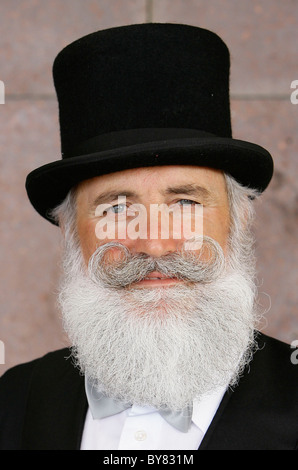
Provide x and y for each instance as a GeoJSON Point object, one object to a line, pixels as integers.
{"type": "Point", "coordinates": [125, 138]}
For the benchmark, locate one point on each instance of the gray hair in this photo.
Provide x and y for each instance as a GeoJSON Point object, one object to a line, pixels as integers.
{"type": "Point", "coordinates": [65, 214]}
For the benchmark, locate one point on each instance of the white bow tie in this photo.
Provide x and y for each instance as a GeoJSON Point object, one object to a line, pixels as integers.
{"type": "Point", "coordinates": [102, 406]}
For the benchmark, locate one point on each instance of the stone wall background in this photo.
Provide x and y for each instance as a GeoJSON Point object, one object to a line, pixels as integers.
{"type": "Point", "coordinates": [262, 36]}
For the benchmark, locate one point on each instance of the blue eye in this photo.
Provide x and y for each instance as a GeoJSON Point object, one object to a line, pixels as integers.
{"type": "Point", "coordinates": [118, 209]}
{"type": "Point", "coordinates": [187, 202]}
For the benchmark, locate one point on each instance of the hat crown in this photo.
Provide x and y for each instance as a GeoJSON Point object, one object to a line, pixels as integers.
{"type": "Point", "coordinates": [139, 77]}
{"type": "Point", "coordinates": [144, 95]}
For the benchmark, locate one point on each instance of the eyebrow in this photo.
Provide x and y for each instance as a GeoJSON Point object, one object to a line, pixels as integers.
{"type": "Point", "coordinates": [187, 189]}
{"type": "Point", "coordinates": [190, 190]}
{"type": "Point", "coordinates": [108, 196]}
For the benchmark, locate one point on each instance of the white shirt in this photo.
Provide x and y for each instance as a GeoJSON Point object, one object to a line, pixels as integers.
{"type": "Point", "coordinates": [143, 428]}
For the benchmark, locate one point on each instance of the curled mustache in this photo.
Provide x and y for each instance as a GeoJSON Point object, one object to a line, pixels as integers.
{"type": "Point", "coordinates": [186, 265]}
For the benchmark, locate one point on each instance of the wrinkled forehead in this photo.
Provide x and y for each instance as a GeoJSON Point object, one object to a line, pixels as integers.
{"type": "Point", "coordinates": [152, 182]}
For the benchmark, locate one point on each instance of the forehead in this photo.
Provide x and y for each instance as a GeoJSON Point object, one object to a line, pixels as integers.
{"type": "Point", "coordinates": [150, 180]}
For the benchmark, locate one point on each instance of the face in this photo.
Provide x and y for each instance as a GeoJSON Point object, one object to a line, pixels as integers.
{"type": "Point", "coordinates": [174, 187]}
{"type": "Point", "coordinates": [138, 339]}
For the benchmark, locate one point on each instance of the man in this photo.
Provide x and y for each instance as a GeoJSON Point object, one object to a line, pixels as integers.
{"type": "Point", "coordinates": [155, 202]}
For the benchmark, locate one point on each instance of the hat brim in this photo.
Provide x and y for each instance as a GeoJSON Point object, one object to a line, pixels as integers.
{"type": "Point", "coordinates": [250, 164]}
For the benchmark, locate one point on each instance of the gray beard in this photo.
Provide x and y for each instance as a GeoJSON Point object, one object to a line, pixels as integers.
{"type": "Point", "coordinates": [159, 346]}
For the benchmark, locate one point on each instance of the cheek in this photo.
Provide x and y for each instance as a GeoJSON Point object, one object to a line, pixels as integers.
{"type": "Point", "coordinates": [89, 242]}
{"type": "Point", "coordinates": [87, 237]}
{"type": "Point", "coordinates": [216, 226]}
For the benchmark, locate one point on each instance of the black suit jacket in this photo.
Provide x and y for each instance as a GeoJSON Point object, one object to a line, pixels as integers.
{"type": "Point", "coordinates": [43, 405]}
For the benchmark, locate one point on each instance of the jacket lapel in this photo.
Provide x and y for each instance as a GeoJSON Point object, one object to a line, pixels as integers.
{"type": "Point", "coordinates": [261, 412]}
{"type": "Point", "coordinates": [56, 406]}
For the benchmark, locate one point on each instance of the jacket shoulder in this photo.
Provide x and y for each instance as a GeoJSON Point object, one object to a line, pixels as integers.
{"type": "Point", "coordinates": [274, 360]}
{"type": "Point", "coordinates": [14, 389]}
{"type": "Point", "coordinates": [261, 412]}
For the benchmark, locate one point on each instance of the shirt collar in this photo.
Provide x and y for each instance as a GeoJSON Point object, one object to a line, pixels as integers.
{"type": "Point", "coordinates": [205, 409]}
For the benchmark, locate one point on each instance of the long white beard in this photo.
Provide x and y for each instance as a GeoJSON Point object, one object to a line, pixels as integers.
{"type": "Point", "coordinates": [159, 347]}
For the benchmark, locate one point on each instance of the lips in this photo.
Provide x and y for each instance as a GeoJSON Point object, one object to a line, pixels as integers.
{"type": "Point", "coordinates": [156, 279]}
{"type": "Point", "coordinates": [157, 275]}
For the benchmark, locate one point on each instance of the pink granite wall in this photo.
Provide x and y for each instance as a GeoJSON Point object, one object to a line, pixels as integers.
{"type": "Point", "coordinates": [262, 36]}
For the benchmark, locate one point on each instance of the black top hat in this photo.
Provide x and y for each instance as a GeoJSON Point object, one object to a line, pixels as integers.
{"type": "Point", "coordinates": [144, 95]}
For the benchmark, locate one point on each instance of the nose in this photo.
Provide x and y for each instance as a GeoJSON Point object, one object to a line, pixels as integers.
{"type": "Point", "coordinates": [154, 247]}
{"type": "Point", "coordinates": [158, 237]}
